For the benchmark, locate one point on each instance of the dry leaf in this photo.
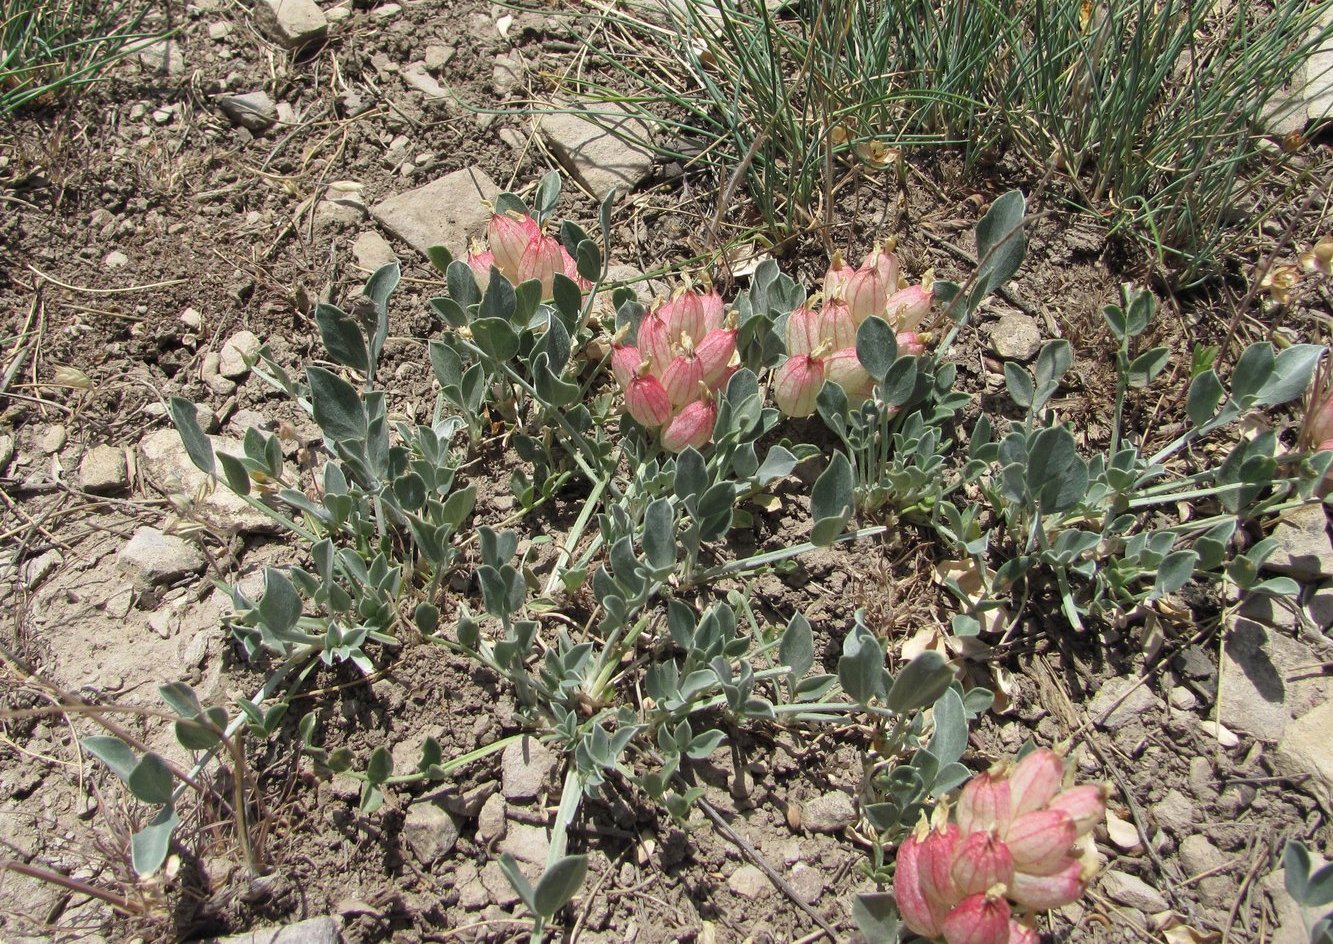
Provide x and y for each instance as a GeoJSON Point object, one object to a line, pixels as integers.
{"type": "Point", "coordinates": [1122, 834]}
{"type": "Point", "coordinates": [66, 376]}
{"type": "Point", "coordinates": [1224, 735]}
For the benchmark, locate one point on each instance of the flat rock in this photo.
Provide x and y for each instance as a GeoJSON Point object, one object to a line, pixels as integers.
{"type": "Point", "coordinates": [445, 212]}
{"type": "Point", "coordinates": [602, 154]}
{"type": "Point", "coordinates": [808, 882]}
{"type": "Point", "coordinates": [6, 450]}
{"type": "Point", "coordinates": [52, 439]}
{"type": "Point", "coordinates": [438, 56]}
{"type": "Point", "coordinates": [1304, 749]}
{"type": "Point", "coordinates": [322, 930]}
{"type": "Point", "coordinates": [1293, 921]}
{"type": "Point", "coordinates": [152, 557]}
{"type": "Point", "coordinates": [1137, 700]}
{"type": "Point", "coordinates": [1132, 891]}
{"type": "Point", "coordinates": [253, 110]}
{"type": "Point", "coordinates": [749, 882]}
{"type": "Point", "coordinates": [1270, 610]}
{"type": "Point", "coordinates": [526, 843]}
{"type": "Point", "coordinates": [1319, 607]}
{"type": "Point", "coordinates": [1016, 337]}
{"type": "Point", "coordinates": [1198, 855]}
{"type": "Point", "coordinates": [372, 250]}
{"type": "Point", "coordinates": [103, 470]}
{"type": "Point", "coordinates": [1303, 550]}
{"type": "Point", "coordinates": [430, 831]}
{"type": "Point", "coordinates": [164, 58]}
{"type": "Point", "coordinates": [238, 352]}
{"type": "Point", "coordinates": [293, 23]}
{"type": "Point", "coordinates": [1251, 695]}
{"type": "Point", "coordinates": [116, 260]}
{"type": "Point", "coordinates": [491, 822]}
{"type": "Point", "coordinates": [497, 885]}
{"type": "Point", "coordinates": [417, 76]}
{"type": "Point", "coordinates": [1319, 82]}
{"type": "Point", "coordinates": [830, 812]}
{"type": "Point", "coordinates": [167, 467]}
{"type": "Point", "coordinates": [524, 768]}
{"type": "Point", "coordinates": [1176, 813]}
{"type": "Point", "coordinates": [508, 72]}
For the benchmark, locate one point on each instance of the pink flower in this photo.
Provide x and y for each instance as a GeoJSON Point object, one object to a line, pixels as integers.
{"type": "Point", "coordinates": [982, 918]}
{"type": "Point", "coordinates": [481, 263]}
{"type": "Point", "coordinates": [908, 307]}
{"type": "Point", "coordinates": [867, 293]}
{"type": "Point", "coordinates": [837, 276]}
{"type": "Point", "coordinates": [803, 331]}
{"type": "Point", "coordinates": [981, 861]}
{"type": "Point", "coordinates": [797, 383]}
{"type": "Point", "coordinates": [625, 362]}
{"type": "Point", "coordinates": [910, 344]}
{"type": "Point", "coordinates": [844, 368]}
{"type": "Point", "coordinates": [835, 325]}
{"type": "Point", "coordinates": [693, 426]}
{"type": "Point", "coordinates": [646, 400]}
{"type": "Point", "coordinates": [509, 236]}
{"type": "Point", "coordinates": [717, 356]}
{"type": "Point", "coordinates": [922, 884]}
{"type": "Point", "coordinates": [683, 378]}
{"type": "Point", "coordinates": [541, 260]}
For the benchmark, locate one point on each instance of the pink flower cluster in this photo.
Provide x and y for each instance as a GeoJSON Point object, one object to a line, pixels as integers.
{"type": "Point", "coordinates": [685, 352]}
{"type": "Point", "coordinates": [1017, 837]}
{"type": "Point", "coordinates": [520, 251]}
{"type": "Point", "coordinates": [821, 343]}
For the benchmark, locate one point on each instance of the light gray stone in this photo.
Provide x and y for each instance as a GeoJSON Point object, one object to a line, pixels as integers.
{"type": "Point", "coordinates": [52, 439]}
{"type": "Point", "coordinates": [1176, 812]}
{"type": "Point", "coordinates": [491, 822]}
{"type": "Point", "coordinates": [1319, 607]}
{"type": "Point", "coordinates": [472, 895]}
{"type": "Point", "coordinates": [372, 250]}
{"type": "Point", "coordinates": [1251, 695]}
{"type": "Point", "coordinates": [497, 885]}
{"type": "Point", "coordinates": [6, 450]}
{"type": "Point", "coordinates": [103, 470]}
{"type": "Point", "coordinates": [1198, 855]}
{"type": "Point", "coordinates": [749, 882]}
{"type": "Point", "coordinates": [322, 930]}
{"type": "Point", "coordinates": [1016, 337]}
{"type": "Point", "coordinates": [1293, 921]}
{"type": "Point", "coordinates": [1304, 749]}
{"type": "Point", "coordinates": [602, 154]}
{"type": "Point", "coordinates": [831, 812]}
{"type": "Point", "coordinates": [808, 882]}
{"type": "Point", "coordinates": [167, 467]}
{"type": "Point", "coordinates": [387, 11]}
{"type": "Point", "coordinates": [1132, 891]}
{"type": "Point", "coordinates": [219, 31]}
{"type": "Point", "coordinates": [1319, 82]}
{"type": "Point", "coordinates": [445, 212]}
{"type": "Point", "coordinates": [526, 843]}
{"type": "Point", "coordinates": [192, 319]}
{"type": "Point", "coordinates": [293, 23]}
{"type": "Point", "coordinates": [116, 260]}
{"type": "Point", "coordinates": [152, 557]}
{"type": "Point", "coordinates": [164, 58]}
{"type": "Point", "coordinates": [254, 111]}
{"type": "Point", "coordinates": [437, 56]}
{"type": "Point", "coordinates": [1284, 113]}
{"type": "Point", "coordinates": [1270, 610]}
{"type": "Point", "coordinates": [1303, 552]}
{"type": "Point", "coordinates": [508, 72]}
{"type": "Point", "coordinates": [1137, 700]}
{"type": "Point", "coordinates": [417, 76]}
{"type": "Point", "coordinates": [39, 568]}
{"type": "Point", "coordinates": [238, 352]}
{"type": "Point", "coordinates": [213, 380]}
{"type": "Point", "coordinates": [524, 768]}
{"type": "Point", "coordinates": [430, 831]}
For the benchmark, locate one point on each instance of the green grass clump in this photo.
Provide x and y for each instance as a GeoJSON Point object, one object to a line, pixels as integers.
{"type": "Point", "coordinates": [49, 48]}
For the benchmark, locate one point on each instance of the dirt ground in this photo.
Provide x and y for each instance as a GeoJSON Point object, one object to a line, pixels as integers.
{"type": "Point", "coordinates": [142, 229]}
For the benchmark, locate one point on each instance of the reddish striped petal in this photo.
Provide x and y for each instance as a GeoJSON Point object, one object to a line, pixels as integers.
{"type": "Point", "coordinates": [984, 804]}
{"type": "Point", "coordinates": [802, 332]}
{"type": "Point", "coordinates": [1035, 780]}
{"type": "Point", "coordinates": [693, 426]}
{"type": "Point", "coordinates": [683, 378]}
{"type": "Point", "coordinates": [716, 353]}
{"type": "Point", "coordinates": [1085, 804]}
{"type": "Point", "coordinates": [982, 861]}
{"type": "Point", "coordinates": [836, 327]}
{"type": "Point", "coordinates": [509, 237]}
{"type": "Point", "coordinates": [1043, 892]}
{"type": "Point", "coordinates": [978, 919]}
{"type": "Point", "coordinates": [1040, 842]}
{"type": "Point", "coordinates": [646, 401]}
{"type": "Point", "coordinates": [908, 307]}
{"type": "Point", "coordinates": [797, 383]}
{"type": "Point", "coordinates": [915, 910]}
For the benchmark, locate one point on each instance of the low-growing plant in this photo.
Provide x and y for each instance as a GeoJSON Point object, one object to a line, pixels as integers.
{"type": "Point", "coordinates": [1310, 887]}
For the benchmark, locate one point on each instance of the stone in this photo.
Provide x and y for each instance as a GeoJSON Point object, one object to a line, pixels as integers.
{"type": "Point", "coordinates": [343, 205]}
{"type": "Point", "coordinates": [103, 470]}
{"type": "Point", "coordinates": [167, 467]}
{"type": "Point", "coordinates": [1304, 749]}
{"type": "Point", "coordinates": [1318, 89]}
{"type": "Point", "coordinates": [152, 557]}
{"type": "Point", "coordinates": [807, 882]}
{"type": "Point", "coordinates": [387, 11]}
{"type": "Point", "coordinates": [508, 72]}
{"type": "Point", "coordinates": [1198, 855]}
{"type": "Point", "coordinates": [491, 822]}
{"type": "Point", "coordinates": [372, 251]}
{"type": "Point", "coordinates": [1016, 337]}
{"type": "Point", "coordinates": [749, 882]}
{"type": "Point", "coordinates": [526, 843]}
{"type": "Point", "coordinates": [831, 812]}
{"type": "Point", "coordinates": [39, 568]}
{"type": "Point", "coordinates": [209, 369]}
{"type": "Point", "coordinates": [1284, 113]}
{"type": "Point", "coordinates": [115, 260]}
{"type": "Point", "coordinates": [1137, 700]}
{"type": "Point", "coordinates": [164, 58]}
{"type": "Point", "coordinates": [445, 212]}
{"type": "Point", "coordinates": [602, 154]}
{"type": "Point", "coordinates": [472, 894]}
{"type": "Point", "coordinates": [497, 885]}
{"type": "Point", "coordinates": [192, 319]}
{"type": "Point", "coordinates": [293, 23]}
{"type": "Point", "coordinates": [417, 76]}
{"type": "Point", "coordinates": [1182, 699]}
{"type": "Point", "coordinates": [322, 930]}
{"type": "Point", "coordinates": [430, 831]}
{"type": "Point", "coordinates": [52, 439]}
{"type": "Point", "coordinates": [1132, 891]}
{"type": "Point", "coordinates": [1293, 921]}
{"type": "Point", "coordinates": [219, 31]}
{"type": "Point", "coordinates": [253, 111]}
{"type": "Point", "coordinates": [1303, 552]}
{"type": "Point", "coordinates": [1251, 696]}
{"type": "Point", "coordinates": [524, 767]}
{"type": "Point", "coordinates": [238, 352]}
{"type": "Point", "coordinates": [6, 450]}
{"type": "Point", "coordinates": [1176, 813]}
{"type": "Point", "coordinates": [1270, 610]}
{"type": "Point", "coordinates": [1319, 607]}
{"type": "Point", "coordinates": [437, 56]}
{"type": "Point", "coordinates": [242, 420]}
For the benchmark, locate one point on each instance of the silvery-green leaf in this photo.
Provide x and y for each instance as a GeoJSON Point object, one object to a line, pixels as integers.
{"type": "Point", "coordinates": [950, 737]}
{"type": "Point", "coordinates": [522, 887]}
{"type": "Point", "coordinates": [797, 649]}
{"type": "Point", "coordinates": [496, 337]}
{"type": "Point", "coordinates": [150, 781]}
{"type": "Point", "coordinates": [920, 683]}
{"type": "Point", "coordinates": [1291, 374]}
{"type": "Point", "coordinates": [280, 606]}
{"type": "Point", "coordinates": [342, 337]}
{"type": "Point", "coordinates": [440, 257]}
{"type": "Point", "coordinates": [338, 408]}
{"type": "Point", "coordinates": [876, 916]}
{"type": "Point", "coordinates": [558, 884]}
{"type": "Point", "coordinates": [1019, 384]}
{"type": "Point", "coordinates": [1144, 369]}
{"type": "Point", "coordinates": [861, 666]}
{"type": "Point", "coordinates": [499, 300]}
{"type": "Point", "coordinates": [1205, 395]}
{"type": "Point", "coordinates": [876, 347]}
{"type": "Point", "coordinates": [149, 846]}
{"type": "Point", "coordinates": [1253, 372]}
{"type": "Point", "coordinates": [197, 444]}
{"type": "Point", "coordinates": [113, 752]}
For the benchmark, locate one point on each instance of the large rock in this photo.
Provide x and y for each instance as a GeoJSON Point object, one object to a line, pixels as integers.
{"type": "Point", "coordinates": [1133, 891]}
{"type": "Point", "coordinates": [1303, 550]}
{"type": "Point", "coordinates": [152, 557]}
{"type": "Point", "coordinates": [371, 250]}
{"type": "Point", "coordinates": [829, 813]}
{"type": "Point", "coordinates": [524, 767]}
{"type": "Point", "coordinates": [1016, 337]}
{"type": "Point", "coordinates": [322, 930]}
{"type": "Point", "coordinates": [1319, 81]}
{"type": "Point", "coordinates": [1251, 695]}
{"type": "Point", "coordinates": [600, 154]}
{"type": "Point", "coordinates": [293, 23]}
{"type": "Point", "coordinates": [444, 212]}
{"type": "Point", "coordinates": [168, 468]}
{"type": "Point", "coordinates": [1304, 749]}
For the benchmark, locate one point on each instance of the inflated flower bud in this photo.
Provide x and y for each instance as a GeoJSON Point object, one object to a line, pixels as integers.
{"type": "Point", "coordinates": [885, 264]}
{"type": "Point", "coordinates": [981, 861]}
{"type": "Point", "coordinates": [625, 363]}
{"type": "Point", "coordinates": [836, 326]}
{"type": "Point", "coordinates": [1040, 841]}
{"type": "Point", "coordinates": [1035, 780]}
{"type": "Point", "coordinates": [797, 384]}
{"type": "Point", "coordinates": [910, 343]}
{"type": "Point", "coordinates": [717, 356]}
{"type": "Point", "coordinates": [1022, 934]}
{"type": "Point", "coordinates": [918, 912]}
{"type": "Point", "coordinates": [1042, 892]}
{"type": "Point", "coordinates": [693, 426]}
{"type": "Point", "coordinates": [984, 804]}
{"type": "Point", "coordinates": [867, 293]}
{"type": "Point", "coordinates": [646, 400]}
{"type": "Point", "coordinates": [938, 850]}
{"type": "Point", "coordinates": [802, 331]}
{"type": "Point", "coordinates": [908, 307]}
{"type": "Point", "coordinates": [653, 342]}
{"type": "Point", "coordinates": [682, 378]}
{"type": "Point", "coordinates": [542, 259]}
{"type": "Point", "coordinates": [692, 315]}
{"type": "Point", "coordinates": [844, 368]}
{"type": "Point", "coordinates": [509, 236]}
{"type": "Point", "coordinates": [978, 919]}
{"type": "Point", "coordinates": [480, 263]}
{"type": "Point", "coordinates": [835, 279]}
{"type": "Point", "coordinates": [1086, 806]}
